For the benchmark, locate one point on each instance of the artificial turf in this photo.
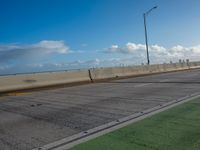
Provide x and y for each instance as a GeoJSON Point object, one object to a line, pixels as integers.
{"type": "Point", "coordinates": [175, 129]}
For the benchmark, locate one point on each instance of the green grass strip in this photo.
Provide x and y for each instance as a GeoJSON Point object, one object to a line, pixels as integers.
{"type": "Point", "coordinates": [175, 129]}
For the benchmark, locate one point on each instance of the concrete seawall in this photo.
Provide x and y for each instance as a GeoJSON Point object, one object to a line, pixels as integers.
{"type": "Point", "coordinates": [27, 81]}
{"type": "Point", "coordinates": [105, 73]}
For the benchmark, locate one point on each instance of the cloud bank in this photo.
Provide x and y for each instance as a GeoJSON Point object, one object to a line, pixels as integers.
{"type": "Point", "coordinates": [157, 52]}
{"type": "Point", "coordinates": [41, 49]}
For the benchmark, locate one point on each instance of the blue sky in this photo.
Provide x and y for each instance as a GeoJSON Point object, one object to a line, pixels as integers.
{"type": "Point", "coordinates": [39, 35]}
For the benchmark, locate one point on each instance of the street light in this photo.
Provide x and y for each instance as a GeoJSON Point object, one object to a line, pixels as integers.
{"type": "Point", "coordinates": [146, 36]}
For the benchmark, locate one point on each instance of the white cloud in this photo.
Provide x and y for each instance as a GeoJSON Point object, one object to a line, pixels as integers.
{"type": "Point", "coordinates": [178, 49]}
{"type": "Point", "coordinates": [132, 47]}
{"type": "Point", "coordinates": [195, 49]}
{"type": "Point", "coordinates": [129, 48]}
{"type": "Point", "coordinates": [158, 49]}
{"type": "Point", "coordinates": [41, 49]}
{"type": "Point", "coordinates": [113, 48]}
{"type": "Point", "coordinates": [157, 52]}
{"type": "Point", "coordinates": [52, 46]}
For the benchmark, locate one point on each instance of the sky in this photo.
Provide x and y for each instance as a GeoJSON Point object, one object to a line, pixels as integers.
{"type": "Point", "coordinates": [50, 35]}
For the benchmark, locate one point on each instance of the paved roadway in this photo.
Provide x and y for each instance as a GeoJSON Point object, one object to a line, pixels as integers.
{"type": "Point", "coordinates": [35, 119]}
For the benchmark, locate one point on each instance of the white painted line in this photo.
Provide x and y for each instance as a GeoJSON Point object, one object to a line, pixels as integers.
{"type": "Point", "coordinates": [142, 85]}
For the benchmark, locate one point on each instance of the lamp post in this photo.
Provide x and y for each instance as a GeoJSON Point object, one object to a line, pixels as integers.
{"type": "Point", "coordinates": [146, 35]}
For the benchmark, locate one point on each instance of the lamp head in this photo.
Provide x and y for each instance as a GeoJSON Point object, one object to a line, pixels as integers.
{"type": "Point", "coordinates": [155, 7]}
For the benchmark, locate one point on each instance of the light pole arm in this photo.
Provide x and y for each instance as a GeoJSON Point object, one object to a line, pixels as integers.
{"type": "Point", "coordinates": [151, 10]}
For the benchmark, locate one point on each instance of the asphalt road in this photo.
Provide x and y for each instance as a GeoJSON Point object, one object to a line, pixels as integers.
{"type": "Point", "coordinates": [35, 119]}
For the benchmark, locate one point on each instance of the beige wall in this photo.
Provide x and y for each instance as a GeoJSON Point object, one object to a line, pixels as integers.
{"type": "Point", "coordinates": [16, 82]}
{"type": "Point", "coordinates": [104, 73]}
{"type": "Point", "coordinates": [25, 81]}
